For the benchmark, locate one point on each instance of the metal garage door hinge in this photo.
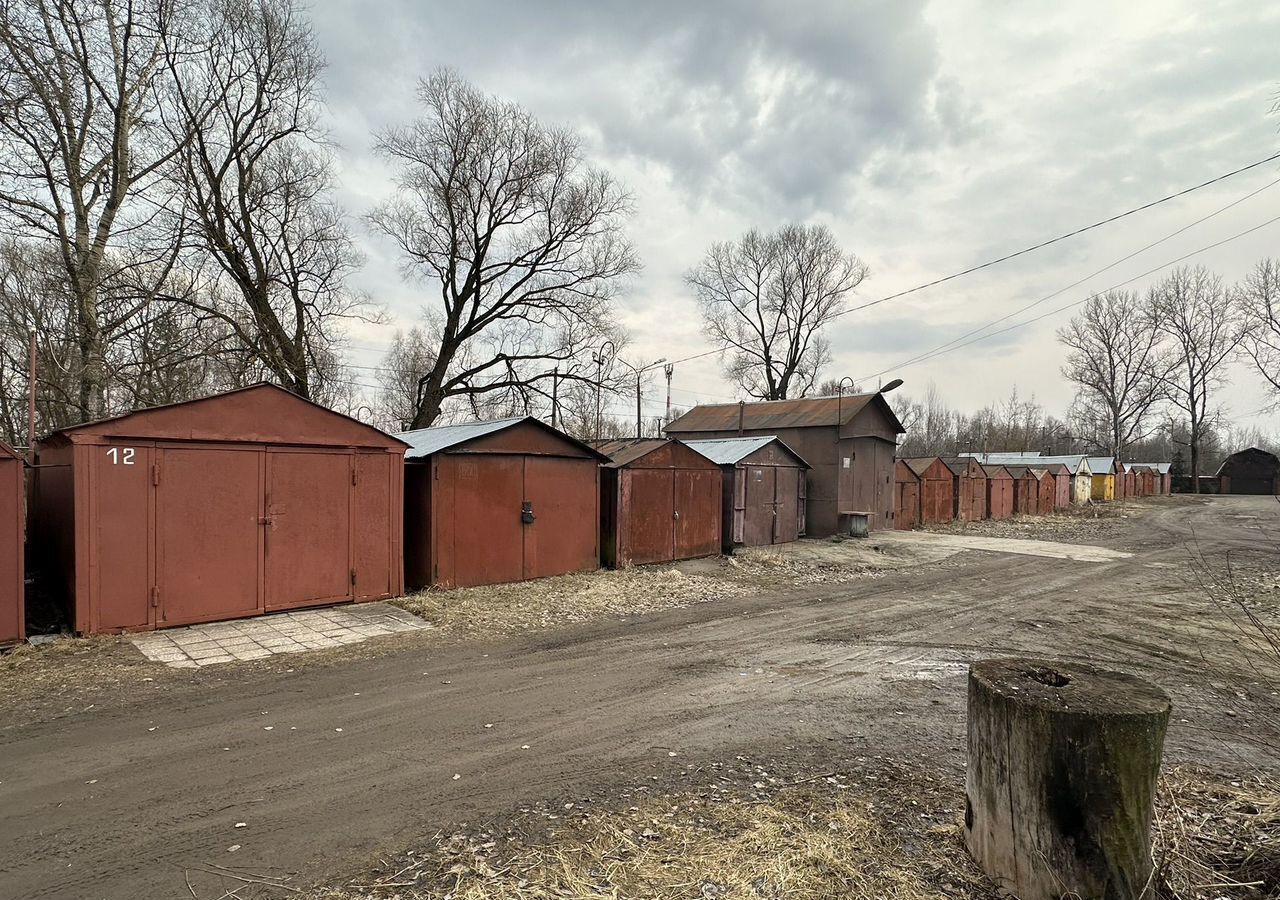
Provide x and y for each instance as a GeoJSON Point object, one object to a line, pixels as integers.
{"type": "Point", "coordinates": [155, 596]}
{"type": "Point", "coordinates": [353, 577]}
{"type": "Point", "coordinates": [155, 473]}
{"type": "Point", "coordinates": [353, 474]}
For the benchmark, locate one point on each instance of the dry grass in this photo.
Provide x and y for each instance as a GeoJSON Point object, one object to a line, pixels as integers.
{"type": "Point", "coordinates": [825, 836]}
{"type": "Point", "coordinates": [1215, 839]}
{"type": "Point", "coordinates": [568, 599]}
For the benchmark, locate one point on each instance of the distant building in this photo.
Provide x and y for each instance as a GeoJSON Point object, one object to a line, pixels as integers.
{"type": "Point", "coordinates": [849, 442]}
{"type": "Point", "coordinates": [1251, 471]}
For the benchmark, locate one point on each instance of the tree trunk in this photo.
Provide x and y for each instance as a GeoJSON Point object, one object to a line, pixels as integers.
{"type": "Point", "coordinates": [1063, 760]}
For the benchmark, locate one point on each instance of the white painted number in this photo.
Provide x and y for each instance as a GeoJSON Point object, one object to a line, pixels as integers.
{"type": "Point", "coordinates": [121, 456]}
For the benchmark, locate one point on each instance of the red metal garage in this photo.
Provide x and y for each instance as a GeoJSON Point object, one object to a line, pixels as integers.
{"type": "Point", "coordinates": [238, 504]}
{"type": "Point", "coordinates": [907, 512]}
{"type": "Point", "coordinates": [764, 489]}
{"type": "Point", "coordinates": [659, 502]}
{"type": "Point", "coordinates": [1000, 491]}
{"type": "Point", "coordinates": [1046, 491]}
{"type": "Point", "coordinates": [1062, 478]}
{"type": "Point", "coordinates": [937, 489]}
{"type": "Point", "coordinates": [1026, 490]}
{"type": "Point", "coordinates": [12, 540]}
{"type": "Point", "coordinates": [969, 487]}
{"type": "Point", "coordinates": [500, 501]}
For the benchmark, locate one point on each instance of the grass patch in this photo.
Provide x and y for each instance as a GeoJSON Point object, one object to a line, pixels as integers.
{"type": "Point", "coordinates": [567, 599]}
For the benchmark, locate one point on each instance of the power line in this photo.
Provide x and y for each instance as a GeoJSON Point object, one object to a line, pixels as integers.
{"type": "Point", "coordinates": [1075, 303]}
{"type": "Point", "coordinates": [930, 353]}
{"type": "Point", "coordinates": [1042, 244]}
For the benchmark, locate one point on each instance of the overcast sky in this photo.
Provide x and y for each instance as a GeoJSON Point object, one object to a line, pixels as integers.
{"type": "Point", "coordinates": [928, 136]}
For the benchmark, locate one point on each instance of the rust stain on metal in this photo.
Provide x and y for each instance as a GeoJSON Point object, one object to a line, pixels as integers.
{"type": "Point", "coordinates": [660, 502]}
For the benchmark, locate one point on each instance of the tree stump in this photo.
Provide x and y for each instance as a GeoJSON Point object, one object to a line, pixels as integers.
{"type": "Point", "coordinates": [1063, 761]}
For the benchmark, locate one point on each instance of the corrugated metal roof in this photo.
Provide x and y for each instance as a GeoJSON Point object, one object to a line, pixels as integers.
{"type": "Point", "coordinates": [426, 441]}
{"type": "Point", "coordinates": [806, 412]}
{"type": "Point", "coordinates": [727, 451]}
{"type": "Point", "coordinates": [1102, 465]}
{"type": "Point", "coordinates": [628, 450]}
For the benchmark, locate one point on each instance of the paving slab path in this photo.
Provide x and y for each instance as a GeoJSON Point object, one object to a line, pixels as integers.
{"type": "Point", "coordinates": [318, 769]}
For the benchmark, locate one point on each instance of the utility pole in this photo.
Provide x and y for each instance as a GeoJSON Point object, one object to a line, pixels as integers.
{"type": "Point", "coordinates": [639, 429]}
{"type": "Point", "coordinates": [31, 403]}
{"type": "Point", "coordinates": [668, 370]}
{"type": "Point", "coordinates": [555, 385]}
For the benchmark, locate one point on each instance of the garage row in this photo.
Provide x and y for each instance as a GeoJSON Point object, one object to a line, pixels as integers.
{"type": "Point", "coordinates": [256, 501]}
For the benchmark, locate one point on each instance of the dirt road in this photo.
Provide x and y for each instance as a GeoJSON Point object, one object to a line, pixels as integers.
{"type": "Point", "coordinates": [327, 766]}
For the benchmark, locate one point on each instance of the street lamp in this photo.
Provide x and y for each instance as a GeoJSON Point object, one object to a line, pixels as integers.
{"type": "Point", "coordinates": [600, 358]}
{"type": "Point", "coordinates": [639, 371]}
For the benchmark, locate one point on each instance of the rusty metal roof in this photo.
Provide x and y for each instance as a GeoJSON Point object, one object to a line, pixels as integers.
{"type": "Point", "coordinates": [804, 413]}
{"type": "Point", "coordinates": [922, 464]}
{"type": "Point", "coordinates": [628, 450]}
{"type": "Point", "coordinates": [728, 451]}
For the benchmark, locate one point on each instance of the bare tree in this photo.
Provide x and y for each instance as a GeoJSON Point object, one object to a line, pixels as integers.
{"type": "Point", "coordinates": [1117, 360]}
{"type": "Point", "coordinates": [411, 357]}
{"type": "Point", "coordinates": [1200, 318]}
{"type": "Point", "coordinates": [523, 241]}
{"type": "Point", "coordinates": [1259, 299]}
{"type": "Point", "coordinates": [765, 300]}
{"type": "Point", "coordinates": [257, 181]}
{"type": "Point", "coordinates": [82, 109]}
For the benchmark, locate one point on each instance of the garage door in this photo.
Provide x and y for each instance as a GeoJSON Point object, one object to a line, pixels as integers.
{"type": "Point", "coordinates": [308, 533]}
{"type": "Point", "coordinates": [208, 506]}
{"type": "Point", "coordinates": [787, 502]}
{"type": "Point", "coordinates": [649, 501]}
{"type": "Point", "coordinates": [564, 495]}
{"type": "Point", "coordinates": [697, 513]}
{"type": "Point", "coordinates": [480, 497]}
{"type": "Point", "coordinates": [371, 510]}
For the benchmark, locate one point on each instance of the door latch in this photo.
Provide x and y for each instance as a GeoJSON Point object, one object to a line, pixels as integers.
{"type": "Point", "coordinates": [526, 513]}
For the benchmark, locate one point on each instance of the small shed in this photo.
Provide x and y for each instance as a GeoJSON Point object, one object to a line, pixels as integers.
{"type": "Point", "coordinates": [1163, 479]}
{"type": "Point", "coordinates": [1250, 471]}
{"type": "Point", "coordinates": [1062, 479]}
{"type": "Point", "coordinates": [499, 501]}
{"type": "Point", "coordinates": [1026, 490]}
{"type": "Point", "coordinates": [12, 546]}
{"type": "Point", "coordinates": [937, 489]}
{"type": "Point", "coordinates": [1102, 469]}
{"type": "Point", "coordinates": [907, 492]}
{"type": "Point", "coordinates": [1046, 492]}
{"type": "Point", "coordinates": [849, 442]}
{"type": "Point", "coordinates": [659, 502]}
{"type": "Point", "coordinates": [234, 505]}
{"type": "Point", "coordinates": [969, 487]}
{"type": "Point", "coordinates": [763, 490]}
{"type": "Point", "coordinates": [1000, 492]}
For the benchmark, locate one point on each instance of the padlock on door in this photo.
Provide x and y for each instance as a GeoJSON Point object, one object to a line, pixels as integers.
{"type": "Point", "coordinates": [526, 513]}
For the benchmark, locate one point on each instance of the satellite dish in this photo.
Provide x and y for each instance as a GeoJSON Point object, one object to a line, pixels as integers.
{"type": "Point", "coordinates": [892, 385]}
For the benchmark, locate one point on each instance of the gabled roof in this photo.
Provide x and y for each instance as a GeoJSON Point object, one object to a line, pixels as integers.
{"type": "Point", "coordinates": [1102, 465]}
{"type": "Point", "coordinates": [803, 413]}
{"type": "Point", "coordinates": [1017, 471]}
{"type": "Point", "coordinates": [960, 464]}
{"type": "Point", "coordinates": [628, 450]}
{"type": "Point", "coordinates": [6, 450]}
{"type": "Point", "coordinates": [922, 464]}
{"type": "Point", "coordinates": [423, 442]}
{"type": "Point", "coordinates": [993, 470]}
{"type": "Point", "coordinates": [1059, 469]}
{"type": "Point", "coordinates": [728, 451]}
{"type": "Point", "coordinates": [262, 413]}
